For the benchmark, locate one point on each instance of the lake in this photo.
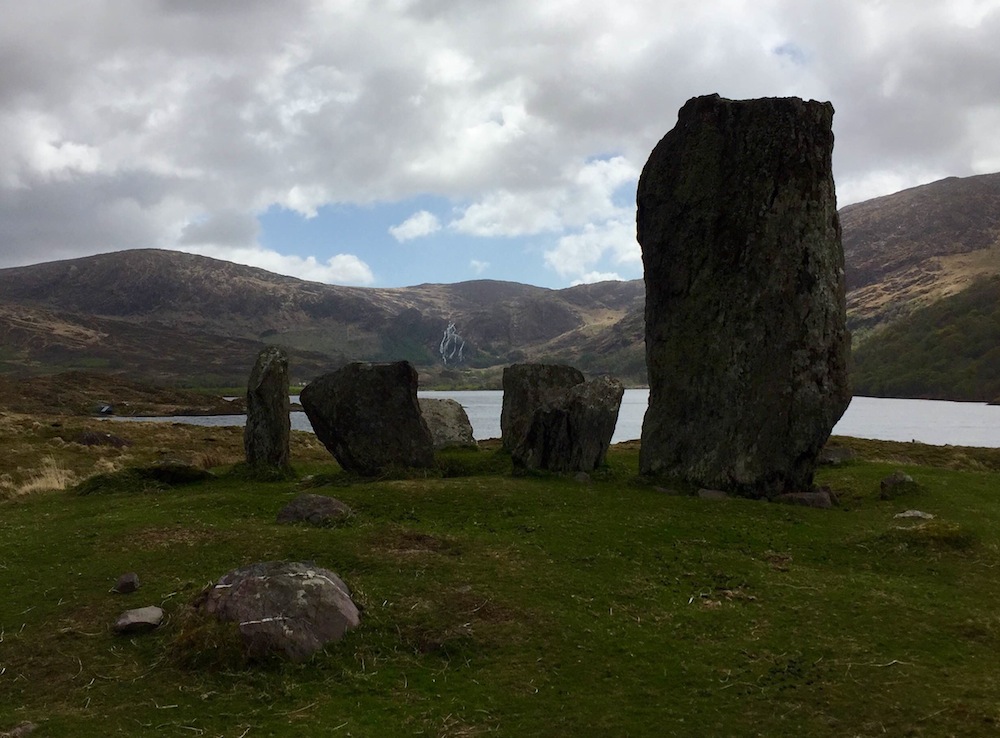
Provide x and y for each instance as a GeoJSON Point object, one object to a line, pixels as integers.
{"type": "Point", "coordinates": [928, 421]}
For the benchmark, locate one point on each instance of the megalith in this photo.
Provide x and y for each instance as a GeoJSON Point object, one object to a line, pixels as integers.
{"type": "Point", "coordinates": [746, 339]}
{"type": "Point", "coordinates": [368, 417]}
{"type": "Point", "coordinates": [525, 388]}
{"type": "Point", "coordinates": [268, 426]}
{"type": "Point", "coordinates": [570, 431]}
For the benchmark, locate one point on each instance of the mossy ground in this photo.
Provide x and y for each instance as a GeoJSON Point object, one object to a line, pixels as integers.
{"type": "Point", "coordinates": [534, 605]}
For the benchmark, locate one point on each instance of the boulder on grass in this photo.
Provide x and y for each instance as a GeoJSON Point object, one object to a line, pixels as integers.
{"type": "Point", "coordinates": [286, 609]}
{"type": "Point", "coordinates": [897, 484]}
{"type": "Point", "coordinates": [448, 423]}
{"type": "Point", "coordinates": [572, 429]}
{"type": "Point", "coordinates": [139, 620]}
{"type": "Point", "coordinates": [525, 388]}
{"type": "Point", "coordinates": [368, 417]}
{"type": "Point", "coordinates": [318, 510]}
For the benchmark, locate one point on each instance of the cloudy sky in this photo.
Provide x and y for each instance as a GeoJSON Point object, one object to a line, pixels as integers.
{"type": "Point", "coordinates": [394, 142]}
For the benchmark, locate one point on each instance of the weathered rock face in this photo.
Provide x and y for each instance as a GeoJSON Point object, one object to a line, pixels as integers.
{"type": "Point", "coordinates": [368, 417]}
{"type": "Point", "coordinates": [571, 430]}
{"type": "Point", "coordinates": [746, 339]}
{"type": "Point", "coordinates": [268, 426]}
{"type": "Point", "coordinates": [448, 423]}
{"type": "Point", "coordinates": [525, 388]}
{"type": "Point", "coordinates": [287, 609]}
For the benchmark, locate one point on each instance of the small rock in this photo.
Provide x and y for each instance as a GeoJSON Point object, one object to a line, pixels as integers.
{"type": "Point", "coordinates": [819, 498]}
{"type": "Point", "coordinates": [712, 494]}
{"type": "Point", "coordinates": [582, 477]}
{"type": "Point", "coordinates": [896, 484]}
{"type": "Point", "coordinates": [832, 455]}
{"type": "Point", "coordinates": [140, 620]}
{"type": "Point", "coordinates": [127, 583]}
{"type": "Point", "coordinates": [318, 510]}
{"type": "Point", "coordinates": [914, 514]}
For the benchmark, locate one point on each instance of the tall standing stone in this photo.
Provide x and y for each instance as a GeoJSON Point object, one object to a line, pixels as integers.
{"type": "Point", "coordinates": [268, 426]}
{"type": "Point", "coordinates": [368, 417]}
{"type": "Point", "coordinates": [746, 339]}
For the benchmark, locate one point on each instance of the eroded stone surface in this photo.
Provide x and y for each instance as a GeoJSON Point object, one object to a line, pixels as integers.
{"type": "Point", "coordinates": [288, 609]}
{"type": "Point", "coordinates": [368, 417]}
{"type": "Point", "coordinates": [746, 339]}
{"type": "Point", "coordinates": [139, 620]}
{"type": "Point", "coordinates": [525, 388]}
{"type": "Point", "coordinates": [572, 428]}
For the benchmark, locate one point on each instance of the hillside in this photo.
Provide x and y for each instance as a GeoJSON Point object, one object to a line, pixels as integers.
{"type": "Point", "coordinates": [118, 311]}
{"type": "Point", "coordinates": [180, 319]}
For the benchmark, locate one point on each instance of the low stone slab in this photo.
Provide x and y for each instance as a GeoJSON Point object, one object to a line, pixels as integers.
{"type": "Point", "coordinates": [318, 510]}
{"type": "Point", "coordinates": [288, 609]}
{"type": "Point", "coordinates": [139, 620]}
{"type": "Point", "coordinates": [448, 423]}
{"type": "Point", "coordinates": [818, 497]}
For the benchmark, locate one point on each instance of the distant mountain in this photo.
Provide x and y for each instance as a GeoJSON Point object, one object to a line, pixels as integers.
{"type": "Point", "coordinates": [176, 317]}
{"type": "Point", "coordinates": [922, 271]}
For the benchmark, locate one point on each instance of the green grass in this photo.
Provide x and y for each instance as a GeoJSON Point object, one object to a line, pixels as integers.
{"type": "Point", "coordinates": [522, 606]}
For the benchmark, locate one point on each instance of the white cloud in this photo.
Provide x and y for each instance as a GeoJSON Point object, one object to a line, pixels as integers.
{"type": "Point", "coordinates": [576, 254]}
{"type": "Point", "coordinates": [345, 269]}
{"type": "Point", "coordinates": [591, 277]}
{"type": "Point", "coordinates": [422, 223]}
{"type": "Point", "coordinates": [478, 266]}
{"type": "Point", "coordinates": [122, 123]}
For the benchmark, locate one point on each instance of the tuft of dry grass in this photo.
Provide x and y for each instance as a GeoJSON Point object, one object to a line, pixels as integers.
{"type": "Point", "coordinates": [51, 477]}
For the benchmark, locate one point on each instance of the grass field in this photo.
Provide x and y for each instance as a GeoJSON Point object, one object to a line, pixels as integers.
{"type": "Point", "coordinates": [519, 606]}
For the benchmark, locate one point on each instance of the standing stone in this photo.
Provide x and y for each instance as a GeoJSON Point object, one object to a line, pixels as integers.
{"type": "Point", "coordinates": [268, 427]}
{"type": "Point", "coordinates": [368, 417]}
{"type": "Point", "coordinates": [572, 429]}
{"type": "Point", "coordinates": [525, 388]}
{"type": "Point", "coordinates": [448, 423]}
{"type": "Point", "coordinates": [746, 339]}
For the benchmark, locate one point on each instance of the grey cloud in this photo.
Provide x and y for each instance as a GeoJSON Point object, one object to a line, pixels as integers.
{"type": "Point", "coordinates": [229, 228]}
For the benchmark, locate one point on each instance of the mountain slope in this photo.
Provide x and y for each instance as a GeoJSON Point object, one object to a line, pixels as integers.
{"type": "Point", "coordinates": [120, 310]}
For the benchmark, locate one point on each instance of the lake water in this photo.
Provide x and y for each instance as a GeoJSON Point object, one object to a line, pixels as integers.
{"type": "Point", "coordinates": [927, 421]}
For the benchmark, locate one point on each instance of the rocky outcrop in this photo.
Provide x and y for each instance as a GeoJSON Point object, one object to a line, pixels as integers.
{"type": "Point", "coordinates": [448, 423]}
{"type": "Point", "coordinates": [746, 344]}
{"type": "Point", "coordinates": [525, 388]}
{"type": "Point", "coordinates": [572, 428]}
{"type": "Point", "coordinates": [368, 417]}
{"type": "Point", "coordinates": [287, 609]}
{"type": "Point", "coordinates": [268, 425]}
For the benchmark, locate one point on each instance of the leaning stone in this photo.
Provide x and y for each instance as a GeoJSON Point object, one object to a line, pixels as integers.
{"type": "Point", "coordinates": [268, 425]}
{"type": "Point", "coordinates": [572, 429]}
{"type": "Point", "coordinates": [448, 423]}
{"type": "Point", "coordinates": [368, 417]}
{"type": "Point", "coordinates": [746, 338]}
{"type": "Point", "coordinates": [896, 484]}
{"type": "Point", "coordinates": [127, 583]}
{"type": "Point", "coordinates": [525, 388]}
{"type": "Point", "coordinates": [140, 620]}
{"type": "Point", "coordinates": [281, 608]}
{"type": "Point", "coordinates": [318, 510]}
